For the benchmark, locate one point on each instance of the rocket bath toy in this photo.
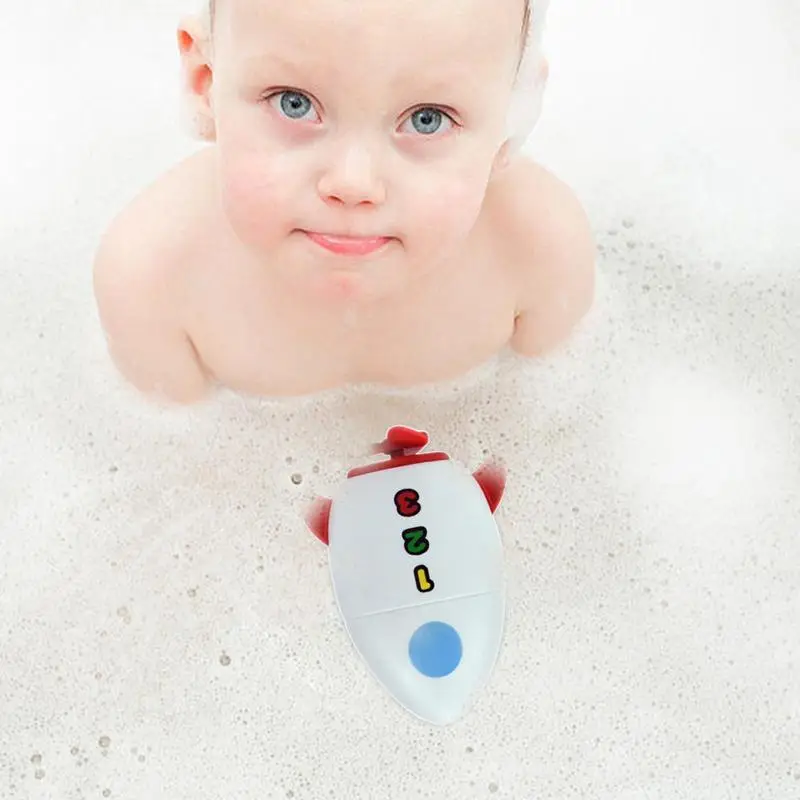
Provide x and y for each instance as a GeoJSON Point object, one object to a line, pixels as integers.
{"type": "Point", "coordinates": [417, 569]}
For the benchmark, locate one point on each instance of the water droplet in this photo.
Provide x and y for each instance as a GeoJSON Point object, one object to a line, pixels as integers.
{"type": "Point", "coordinates": [493, 787]}
{"type": "Point", "coordinates": [225, 660]}
{"type": "Point", "coordinates": [192, 592]}
{"type": "Point", "coordinates": [141, 759]}
{"type": "Point", "coordinates": [628, 222]}
{"type": "Point", "coordinates": [105, 742]}
{"type": "Point", "coordinates": [39, 774]}
{"type": "Point", "coordinates": [106, 792]}
{"type": "Point", "coordinates": [74, 751]}
{"type": "Point", "coordinates": [297, 479]}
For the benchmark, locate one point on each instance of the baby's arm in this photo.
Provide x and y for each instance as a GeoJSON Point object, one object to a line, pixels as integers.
{"type": "Point", "coordinates": [139, 312]}
{"type": "Point", "coordinates": [556, 258]}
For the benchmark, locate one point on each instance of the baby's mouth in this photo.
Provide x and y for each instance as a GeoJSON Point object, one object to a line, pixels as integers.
{"type": "Point", "coordinates": [348, 245]}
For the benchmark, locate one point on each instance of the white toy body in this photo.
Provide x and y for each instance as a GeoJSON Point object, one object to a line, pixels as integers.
{"type": "Point", "coordinates": [417, 569]}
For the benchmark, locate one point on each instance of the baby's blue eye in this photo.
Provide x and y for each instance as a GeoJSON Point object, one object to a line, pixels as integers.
{"type": "Point", "coordinates": [428, 121]}
{"type": "Point", "coordinates": [294, 105]}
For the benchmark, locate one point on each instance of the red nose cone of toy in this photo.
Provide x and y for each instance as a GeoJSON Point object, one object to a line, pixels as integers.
{"type": "Point", "coordinates": [401, 439]}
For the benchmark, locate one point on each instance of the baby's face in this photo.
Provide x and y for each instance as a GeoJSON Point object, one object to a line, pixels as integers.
{"type": "Point", "coordinates": [367, 118]}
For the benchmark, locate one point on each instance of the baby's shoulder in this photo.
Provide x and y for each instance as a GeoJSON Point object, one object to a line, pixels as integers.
{"type": "Point", "coordinates": [538, 222]}
{"type": "Point", "coordinates": [142, 272]}
{"type": "Point", "coordinates": [160, 226]}
{"type": "Point", "coordinates": [528, 203]}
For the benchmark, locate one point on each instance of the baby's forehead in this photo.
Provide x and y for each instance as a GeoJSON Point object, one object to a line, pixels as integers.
{"type": "Point", "coordinates": [445, 21]}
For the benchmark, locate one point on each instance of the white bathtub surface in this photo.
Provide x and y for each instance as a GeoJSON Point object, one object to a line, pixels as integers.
{"type": "Point", "coordinates": [167, 627]}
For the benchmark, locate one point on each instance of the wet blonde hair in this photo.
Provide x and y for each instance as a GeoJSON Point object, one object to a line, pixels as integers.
{"type": "Point", "coordinates": [528, 96]}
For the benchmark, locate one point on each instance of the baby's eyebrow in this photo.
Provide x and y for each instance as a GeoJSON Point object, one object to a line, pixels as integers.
{"type": "Point", "coordinates": [275, 60]}
{"type": "Point", "coordinates": [444, 82]}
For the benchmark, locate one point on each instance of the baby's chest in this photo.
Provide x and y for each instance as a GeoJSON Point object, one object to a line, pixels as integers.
{"type": "Point", "coordinates": [436, 343]}
{"type": "Point", "coordinates": [250, 344]}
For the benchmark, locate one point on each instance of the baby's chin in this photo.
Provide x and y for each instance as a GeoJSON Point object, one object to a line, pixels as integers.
{"type": "Point", "coordinates": [350, 282]}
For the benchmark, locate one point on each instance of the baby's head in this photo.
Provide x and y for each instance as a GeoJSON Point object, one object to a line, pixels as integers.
{"type": "Point", "coordinates": [357, 117]}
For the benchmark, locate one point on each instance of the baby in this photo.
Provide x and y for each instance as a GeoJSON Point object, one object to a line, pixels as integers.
{"type": "Point", "coordinates": [360, 214]}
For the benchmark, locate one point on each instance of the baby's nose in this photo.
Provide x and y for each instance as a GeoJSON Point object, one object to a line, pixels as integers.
{"type": "Point", "coordinates": [352, 179]}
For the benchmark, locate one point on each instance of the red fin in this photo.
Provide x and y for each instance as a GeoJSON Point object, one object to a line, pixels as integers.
{"type": "Point", "coordinates": [492, 480]}
{"type": "Point", "coordinates": [317, 518]}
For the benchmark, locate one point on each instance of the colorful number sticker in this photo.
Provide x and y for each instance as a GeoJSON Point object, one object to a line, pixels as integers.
{"type": "Point", "coordinates": [407, 503]}
{"type": "Point", "coordinates": [416, 540]}
{"type": "Point", "coordinates": [423, 578]}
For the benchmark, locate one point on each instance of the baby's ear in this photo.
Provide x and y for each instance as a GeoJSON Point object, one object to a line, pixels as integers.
{"type": "Point", "coordinates": [502, 159]}
{"type": "Point", "coordinates": [194, 45]}
{"type": "Point", "coordinates": [544, 71]}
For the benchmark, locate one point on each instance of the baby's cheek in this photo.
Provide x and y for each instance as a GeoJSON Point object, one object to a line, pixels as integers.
{"type": "Point", "coordinates": [247, 192]}
{"type": "Point", "coordinates": [255, 199]}
{"type": "Point", "coordinates": [450, 208]}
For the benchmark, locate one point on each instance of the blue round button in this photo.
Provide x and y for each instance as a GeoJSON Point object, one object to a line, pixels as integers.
{"type": "Point", "coordinates": [435, 649]}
